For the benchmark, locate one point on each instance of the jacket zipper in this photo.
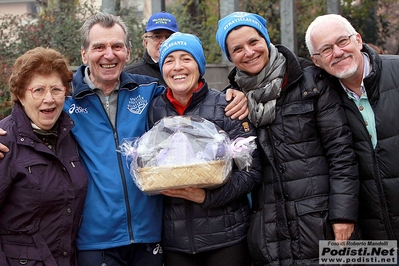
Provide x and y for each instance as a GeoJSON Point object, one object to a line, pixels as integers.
{"type": "Point", "coordinates": [120, 165]}
{"type": "Point", "coordinates": [190, 232]}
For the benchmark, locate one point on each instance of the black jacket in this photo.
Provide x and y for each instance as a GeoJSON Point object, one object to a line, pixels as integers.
{"type": "Point", "coordinates": [146, 67]}
{"type": "Point", "coordinates": [379, 167]}
{"type": "Point", "coordinates": [222, 219]}
{"type": "Point", "coordinates": [310, 176]}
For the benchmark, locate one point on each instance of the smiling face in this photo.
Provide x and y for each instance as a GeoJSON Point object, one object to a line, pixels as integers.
{"type": "Point", "coordinates": [247, 49]}
{"type": "Point", "coordinates": [44, 112]}
{"type": "Point", "coordinates": [345, 62]}
{"type": "Point", "coordinates": [181, 74]}
{"type": "Point", "coordinates": [106, 55]}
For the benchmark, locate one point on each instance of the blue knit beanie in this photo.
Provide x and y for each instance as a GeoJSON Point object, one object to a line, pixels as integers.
{"type": "Point", "coordinates": [236, 19]}
{"type": "Point", "coordinates": [183, 42]}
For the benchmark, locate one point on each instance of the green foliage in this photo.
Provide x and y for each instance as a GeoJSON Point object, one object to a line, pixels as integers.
{"type": "Point", "coordinates": [363, 18]}
{"type": "Point", "coordinates": [306, 11]}
{"type": "Point", "coordinates": [375, 27]}
{"type": "Point", "coordinates": [205, 28]}
{"type": "Point", "coordinates": [270, 10]}
{"type": "Point", "coordinates": [136, 31]}
{"type": "Point", "coordinates": [5, 104]}
{"type": "Point", "coordinates": [203, 24]}
{"type": "Point", "coordinates": [56, 26]}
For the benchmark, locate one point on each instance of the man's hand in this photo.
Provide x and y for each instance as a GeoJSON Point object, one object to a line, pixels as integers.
{"type": "Point", "coordinates": [3, 149]}
{"type": "Point", "coordinates": [238, 106]}
{"type": "Point", "coordinates": [343, 231]}
{"type": "Point", "coordinates": [193, 194]}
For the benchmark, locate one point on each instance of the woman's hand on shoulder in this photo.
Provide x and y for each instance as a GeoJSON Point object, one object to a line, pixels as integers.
{"type": "Point", "coordinates": [3, 148]}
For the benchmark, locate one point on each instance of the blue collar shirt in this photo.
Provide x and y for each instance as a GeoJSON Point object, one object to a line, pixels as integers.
{"type": "Point", "coordinates": [363, 104]}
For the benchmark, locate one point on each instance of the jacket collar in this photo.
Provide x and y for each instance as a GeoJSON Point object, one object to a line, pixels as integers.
{"type": "Point", "coordinates": [65, 123]}
{"type": "Point", "coordinates": [197, 97]}
{"type": "Point", "coordinates": [80, 88]}
{"type": "Point", "coordinates": [147, 58]}
{"type": "Point", "coordinates": [294, 70]}
{"type": "Point", "coordinates": [372, 80]}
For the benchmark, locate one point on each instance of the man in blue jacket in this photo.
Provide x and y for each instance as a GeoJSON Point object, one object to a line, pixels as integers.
{"type": "Point", "coordinates": [121, 225]}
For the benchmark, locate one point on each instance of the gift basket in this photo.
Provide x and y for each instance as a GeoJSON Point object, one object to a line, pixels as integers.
{"type": "Point", "coordinates": [179, 152]}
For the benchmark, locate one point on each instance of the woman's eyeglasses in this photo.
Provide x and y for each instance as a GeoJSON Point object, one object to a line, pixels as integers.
{"type": "Point", "coordinates": [39, 93]}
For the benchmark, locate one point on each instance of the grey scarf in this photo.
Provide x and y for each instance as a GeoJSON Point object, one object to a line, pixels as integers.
{"type": "Point", "coordinates": [263, 89]}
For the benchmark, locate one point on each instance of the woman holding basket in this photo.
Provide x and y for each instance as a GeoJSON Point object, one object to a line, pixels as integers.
{"type": "Point", "coordinates": [202, 226]}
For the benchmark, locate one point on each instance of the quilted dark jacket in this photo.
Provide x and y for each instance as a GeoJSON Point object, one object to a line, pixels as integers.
{"type": "Point", "coordinates": [379, 167]}
{"type": "Point", "coordinates": [310, 176]}
{"type": "Point", "coordinates": [41, 194]}
{"type": "Point", "coordinates": [222, 219]}
{"type": "Point", "coordinates": [147, 67]}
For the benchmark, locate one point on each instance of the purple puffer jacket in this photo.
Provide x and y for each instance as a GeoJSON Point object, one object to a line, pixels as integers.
{"type": "Point", "coordinates": [41, 195]}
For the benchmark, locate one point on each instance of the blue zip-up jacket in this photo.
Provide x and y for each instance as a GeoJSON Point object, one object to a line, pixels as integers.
{"type": "Point", "coordinates": [116, 212]}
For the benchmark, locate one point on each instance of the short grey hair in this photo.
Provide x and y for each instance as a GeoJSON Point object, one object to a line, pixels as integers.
{"type": "Point", "coordinates": [321, 19]}
{"type": "Point", "coordinates": [106, 21]}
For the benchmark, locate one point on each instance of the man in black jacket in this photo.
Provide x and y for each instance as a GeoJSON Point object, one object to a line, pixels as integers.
{"type": "Point", "coordinates": [159, 27]}
{"type": "Point", "coordinates": [369, 87]}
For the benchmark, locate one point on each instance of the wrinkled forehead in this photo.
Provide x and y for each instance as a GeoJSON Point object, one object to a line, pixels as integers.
{"type": "Point", "coordinates": [179, 53]}
{"type": "Point", "coordinates": [327, 32]}
{"type": "Point", "coordinates": [102, 34]}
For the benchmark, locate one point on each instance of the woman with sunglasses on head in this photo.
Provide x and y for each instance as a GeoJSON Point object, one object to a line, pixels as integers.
{"type": "Point", "coordinates": [42, 182]}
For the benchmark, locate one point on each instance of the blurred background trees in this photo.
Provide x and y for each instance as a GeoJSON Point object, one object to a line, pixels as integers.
{"type": "Point", "coordinates": [57, 24]}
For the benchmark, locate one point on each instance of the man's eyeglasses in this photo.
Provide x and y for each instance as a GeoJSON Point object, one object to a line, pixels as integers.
{"type": "Point", "coordinates": [158, 37]}
{"type": "Point", "coordinates": [341, 42]}
{"type": "Point", "coordinates": [39, 93]}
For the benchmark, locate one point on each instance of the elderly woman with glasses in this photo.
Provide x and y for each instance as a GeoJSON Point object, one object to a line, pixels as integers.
{"type": "Point", "coordinates": [42, 182]}
{"type": "Point", "coordinates": [309, 189]}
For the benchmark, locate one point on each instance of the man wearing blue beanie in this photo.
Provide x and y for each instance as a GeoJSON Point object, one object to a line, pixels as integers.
{"type": "Point", "coordinates": [202, 226]}
{"type": "Point", "coordinates": [310, 183]}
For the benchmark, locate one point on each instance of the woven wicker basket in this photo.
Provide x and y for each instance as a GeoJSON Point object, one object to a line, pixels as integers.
{"type": "Point", "coordinates": [200, 175]}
